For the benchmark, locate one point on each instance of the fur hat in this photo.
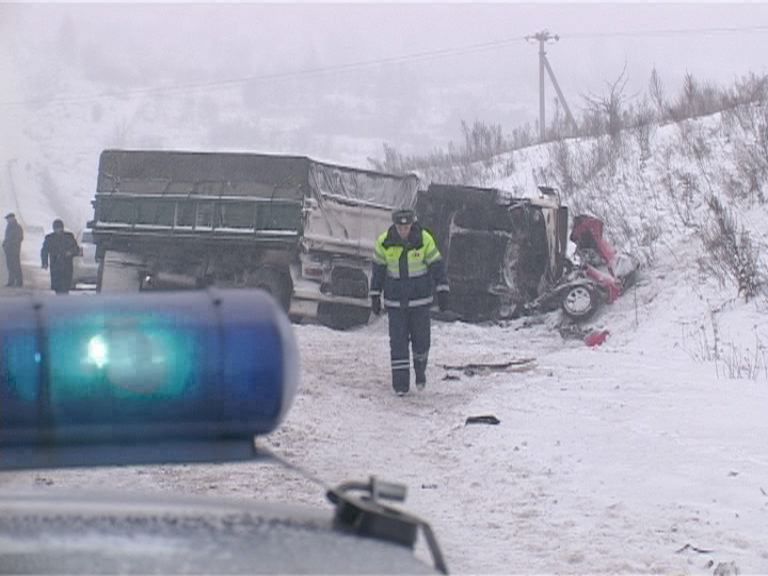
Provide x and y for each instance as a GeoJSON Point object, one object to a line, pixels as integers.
{"type": "Point", "coordinates": [405, 216]}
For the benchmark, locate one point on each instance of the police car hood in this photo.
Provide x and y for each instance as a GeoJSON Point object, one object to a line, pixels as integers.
{"type": "Point", "coordinates": [68, 532]}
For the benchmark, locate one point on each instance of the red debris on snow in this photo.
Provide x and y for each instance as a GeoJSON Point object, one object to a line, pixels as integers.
{"type": "Point", "coordinates": [596, 338]}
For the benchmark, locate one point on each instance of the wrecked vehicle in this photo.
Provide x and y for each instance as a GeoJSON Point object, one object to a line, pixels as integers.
{"type": "Point", "coordinates": [304, 231]}
{"type": "Point", "coordinates": [501, 252]}
{"type": "Point", "coordinates": [606, 271]}
{"type": "Point", "coordinates": [300, 229]}
{"type": "Point", "coordinates": [599, 274]}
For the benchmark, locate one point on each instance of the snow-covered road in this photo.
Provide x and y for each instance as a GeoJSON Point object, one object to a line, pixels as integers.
{"type": "Point", "coordinates": [630, 457]}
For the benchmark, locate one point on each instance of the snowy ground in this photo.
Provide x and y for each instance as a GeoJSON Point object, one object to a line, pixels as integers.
{"type": "Point", "coordinates": [633, 457]}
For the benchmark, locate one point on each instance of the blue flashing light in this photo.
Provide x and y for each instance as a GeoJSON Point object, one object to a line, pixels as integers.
{"type": "Point", "coordinates": [198, 367]}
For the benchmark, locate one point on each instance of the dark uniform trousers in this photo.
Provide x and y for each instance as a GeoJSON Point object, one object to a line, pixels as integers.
{"type": "Point", "coordinates": [14, 236]}
{"type": "Point", "coordinates": [408, 326]}
{"type": "Point", "coordinates": [13, 262]}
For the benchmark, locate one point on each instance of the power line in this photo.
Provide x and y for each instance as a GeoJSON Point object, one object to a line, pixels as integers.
{"type": "Point", "coordinates": [426, 55]}
{"type": "Point", "coordinates": [668, 32]}
{"type": "Point", "coordinates": [442, 53]}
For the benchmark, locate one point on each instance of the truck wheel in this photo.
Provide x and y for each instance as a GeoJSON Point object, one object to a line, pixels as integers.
{"type": "Point", "coordinates": [579, 302]}
{"type": "Point", "coordinates": [119, 272]}
{"type": "Point", "coordinates": [272, 281]}
{"type": "Point", "coordinates": [342, 316]}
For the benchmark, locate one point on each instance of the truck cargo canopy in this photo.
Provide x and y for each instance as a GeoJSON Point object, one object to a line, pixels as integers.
{"type": "Point", "coordinates": [174, 173]}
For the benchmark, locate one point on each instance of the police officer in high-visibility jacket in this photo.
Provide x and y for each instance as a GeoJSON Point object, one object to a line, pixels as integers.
{"type": "Point", "coordinates": [407, 266]}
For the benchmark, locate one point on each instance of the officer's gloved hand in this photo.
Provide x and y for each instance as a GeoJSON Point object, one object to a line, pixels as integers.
{"type": "Point", "coordinates": [442, 300]}
{"type": "Point", "coordinates": [376, 304]}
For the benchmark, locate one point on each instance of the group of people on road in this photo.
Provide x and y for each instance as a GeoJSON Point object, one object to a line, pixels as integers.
{"type": "Point", "coordinates": [59, 249]}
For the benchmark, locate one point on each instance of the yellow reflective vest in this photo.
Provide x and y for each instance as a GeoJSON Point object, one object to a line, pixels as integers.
{"type": "Point", "coordinates": [407, 271]}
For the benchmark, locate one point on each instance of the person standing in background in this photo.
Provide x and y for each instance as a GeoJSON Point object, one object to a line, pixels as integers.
{"type": "Point", "coordinates": [14, 235]}
{"type": "Point", "coordinates": [59, 248]}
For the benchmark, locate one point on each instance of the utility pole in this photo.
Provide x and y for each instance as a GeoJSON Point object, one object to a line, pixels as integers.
{"type": "Point", "coordinates": [543, 37]}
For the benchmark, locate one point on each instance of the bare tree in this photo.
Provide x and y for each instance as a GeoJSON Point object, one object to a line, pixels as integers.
{"type": "Point", "coordinates": [656, 91]}
{"type": "Point", "coordinates": [611, 105]}
{"type": "Point", "coordinates": [642, 121]}
{"type": "Point", "coordinates": [730, 252]}
{"type": "Point", "coordinates": [697, 99]}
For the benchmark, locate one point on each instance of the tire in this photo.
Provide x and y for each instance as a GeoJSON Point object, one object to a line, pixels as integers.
{"type": "Point", "coordinates": [342, 316]}
{"type": "Point", "coordinates": [579, 302]}
{"type": "Point", "coordinates": [272, 281]}
{"type": "Point", "coordinates": [119, 272]}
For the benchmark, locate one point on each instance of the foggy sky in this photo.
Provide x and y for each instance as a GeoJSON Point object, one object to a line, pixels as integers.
{"type": "Point", "coordinates": [418, 69]}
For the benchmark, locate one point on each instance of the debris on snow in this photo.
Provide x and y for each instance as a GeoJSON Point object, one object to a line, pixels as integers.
{"type": "Point", "coordinates": [473, 369]}
{"type": "Point", "coordinates": [487, 419]}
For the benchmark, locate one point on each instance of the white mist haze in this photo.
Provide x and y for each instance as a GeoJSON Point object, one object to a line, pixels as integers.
{"type": "Point", "coordinates": [339, 80]}
{"type": "Point", "coordinates": [645, 455]}
{"type": "Point", "coordinates": [332, 81]}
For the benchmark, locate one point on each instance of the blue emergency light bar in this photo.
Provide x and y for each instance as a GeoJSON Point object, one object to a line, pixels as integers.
{"type": "Point", "coordinates": [142, 378]}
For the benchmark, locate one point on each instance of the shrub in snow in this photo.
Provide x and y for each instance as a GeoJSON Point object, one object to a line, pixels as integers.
{"type": "Point", "coordinates": [729, 251]}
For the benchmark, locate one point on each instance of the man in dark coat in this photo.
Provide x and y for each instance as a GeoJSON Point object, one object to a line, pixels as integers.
{"type": "Point", "coordinates": [59, 248]}
{"type": "Point", "coordinates": [407, 268]}
{"type": "Point", "coordinates": [14, 235]}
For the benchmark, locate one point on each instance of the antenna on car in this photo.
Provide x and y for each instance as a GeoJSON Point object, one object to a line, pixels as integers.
{"type": "Point", "coordinates": [360, 511]}
{"type": "Point", "coordinates": [366, 515]}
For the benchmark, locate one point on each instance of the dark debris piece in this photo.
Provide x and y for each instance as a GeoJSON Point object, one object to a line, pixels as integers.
{"type": "Point", "coordinates": [487, 419]}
